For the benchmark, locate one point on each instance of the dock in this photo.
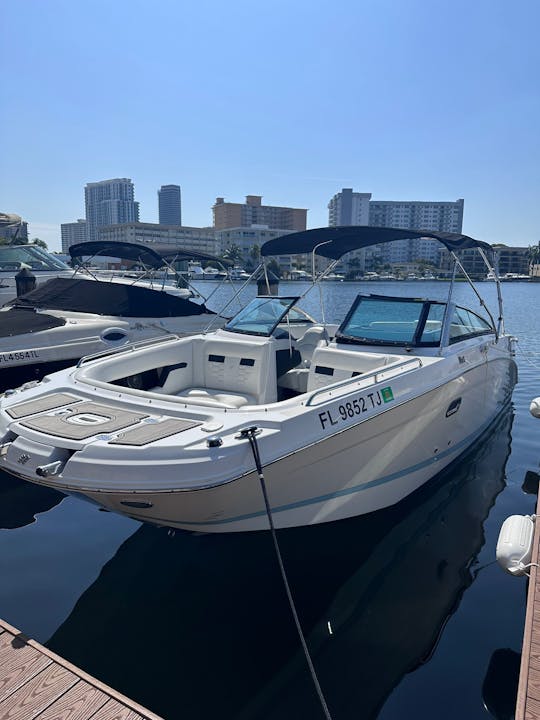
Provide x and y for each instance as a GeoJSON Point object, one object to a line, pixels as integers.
{"type": "Point", "coordinates": [37, 684]}
{"type": "Point", "coordinates": [528, 697]}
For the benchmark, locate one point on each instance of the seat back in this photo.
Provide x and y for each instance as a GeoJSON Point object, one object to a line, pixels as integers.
{"type": "Point", "coordinates": [244, 367]}
{"type": "Point", "coordinates": [314, 336]}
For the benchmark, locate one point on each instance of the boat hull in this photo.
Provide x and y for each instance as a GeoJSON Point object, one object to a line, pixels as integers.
{"type": "Point", "coordinates": [362, 468]}
{"type": "Point", "coordinates": [31, 356]}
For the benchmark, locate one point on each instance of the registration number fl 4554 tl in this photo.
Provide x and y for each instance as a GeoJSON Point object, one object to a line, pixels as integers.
{"type": "Point", "coordinates": [354, 407]}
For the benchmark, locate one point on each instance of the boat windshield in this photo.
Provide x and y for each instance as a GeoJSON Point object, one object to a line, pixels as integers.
{"type": "Point", "coordinates": [376, 320]}
{"type": "Point", "coordinates": [263, 314]}
{"type": "Point", "coordinates": [16, 257]}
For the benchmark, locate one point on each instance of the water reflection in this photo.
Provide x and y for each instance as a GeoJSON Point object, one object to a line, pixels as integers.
{"type": "Point", "coordinates": [198, 626]}
{"type": "Point", "coordinates": [21, 501]}
{"type": "Point", "coordinates": [499, 690]}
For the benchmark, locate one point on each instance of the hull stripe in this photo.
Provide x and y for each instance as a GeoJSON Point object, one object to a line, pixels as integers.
{"type": "Point", "coordinates": [339, 493]}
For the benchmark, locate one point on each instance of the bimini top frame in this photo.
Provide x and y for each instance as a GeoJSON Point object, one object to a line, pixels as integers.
{"type": "Point", "coordinates": [334, 242]}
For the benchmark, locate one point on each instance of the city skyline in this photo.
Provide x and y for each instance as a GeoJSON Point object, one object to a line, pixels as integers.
{"type": "Point", "coordinates": [407, 101]}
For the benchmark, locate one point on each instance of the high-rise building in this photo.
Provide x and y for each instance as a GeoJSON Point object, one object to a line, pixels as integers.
{"type": "Point", "coordinates": [253, 212]}
{"type": "Point", "coordinates": [415, 215]}
{"type": "Point", "coordinates": [349, 208]}
{"type": "Point", "coordinates": [446, 216]}
{"type": "Point", "coordinates": [72, 233]}
{"type": "Point", "coordinates": [170, 205]}
{"type": "Point", "coordinates": [109, 202]}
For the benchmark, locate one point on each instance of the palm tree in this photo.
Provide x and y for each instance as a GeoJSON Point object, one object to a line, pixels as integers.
{"type": "Point", "coordinates": [534, 254]}
{"type": "Point", "coordinates": [534, 258]}
{"type": "Point", "coordinates": [234, 254]}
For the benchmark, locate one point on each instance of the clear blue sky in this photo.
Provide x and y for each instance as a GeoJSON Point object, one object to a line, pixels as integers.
{"type": "Point", "coordinates": [406, 99]}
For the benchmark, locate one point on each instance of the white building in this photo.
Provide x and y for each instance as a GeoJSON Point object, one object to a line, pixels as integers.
{"type": "Point", "coordinates": [349, 208]}
{"type": "Point", "coordinates": [72, 233]}
{"type": "Point", "coordinates": [415, 215]}
{"type": "Point", "coordinates": [353, 208]}
{"type": "Point", "coordinates": [109, 202]}
{"type": "Point", "coordinates": [198, 239]}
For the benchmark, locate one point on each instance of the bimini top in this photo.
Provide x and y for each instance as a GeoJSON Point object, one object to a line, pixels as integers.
{"type": "Point", "coordinates": [342, 239]}
{"type": "Point", "coordinates": [153, 257]}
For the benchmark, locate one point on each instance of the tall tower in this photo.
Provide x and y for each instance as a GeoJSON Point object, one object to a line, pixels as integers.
{"type": "Point", "coordinates": [109, 202]}
{"type": "Point", "coordinates": [170, 205]}
{"type": "Point", "coordinates": [349, 208]}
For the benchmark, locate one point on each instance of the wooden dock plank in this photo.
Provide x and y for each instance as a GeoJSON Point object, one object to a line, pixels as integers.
{"type": "Point", "coordinates": [37, 694]}
{"type": "Point", "coordinates": [113, 710]}
{"type": "Point", "coordinates": [534, 659]}
{"type": "Point", "coordinates": [21, 668]}
{"type": "Point", "coordinates": [37, 684]}
{"type": "Point", "coordinates": [528, 698]}
{"type": "Point", "coordinates": [80, 702]}
{"type": "Point", "coordinates": [533, 710]}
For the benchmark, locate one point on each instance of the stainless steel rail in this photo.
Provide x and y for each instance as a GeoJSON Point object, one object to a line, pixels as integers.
{"type": "Point", "coordinates": [333, 391]}
{"type": "Point", "coordinates": [130, 347]}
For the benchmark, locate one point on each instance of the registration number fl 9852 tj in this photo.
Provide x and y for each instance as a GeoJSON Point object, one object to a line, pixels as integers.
{"type": "Point", "coordinates": [353, 408]}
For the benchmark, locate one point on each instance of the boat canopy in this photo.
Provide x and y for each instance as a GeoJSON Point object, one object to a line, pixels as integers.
{"type": "Point", "coordinates": [334, 242]}
{"type": "Point", "coordinates": [153, 257]}
{"type": "Point", "coordinates": [106, 298]}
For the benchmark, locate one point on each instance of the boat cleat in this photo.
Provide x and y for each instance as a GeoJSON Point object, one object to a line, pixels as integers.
{"type": "Point", "coordinates": [29, 459]}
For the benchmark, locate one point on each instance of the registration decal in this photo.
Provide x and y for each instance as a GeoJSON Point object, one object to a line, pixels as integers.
{"type": "Point", "coordinates": [356, 406]}
{"type": "Point", "coordinates": [18, 356]}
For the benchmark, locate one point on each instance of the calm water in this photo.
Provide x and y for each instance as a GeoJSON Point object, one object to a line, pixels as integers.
{"type": "Point", "coordinates": [404, 610]}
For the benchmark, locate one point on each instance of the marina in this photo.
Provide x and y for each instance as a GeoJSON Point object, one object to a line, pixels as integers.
{"type": "Point", "coordinates": [396, 605]}
{"type": "Point", "coordinates": [397, 389]}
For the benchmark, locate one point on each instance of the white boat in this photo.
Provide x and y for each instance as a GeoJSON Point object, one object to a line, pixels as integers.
{"type": "Point", "coordinates": [535, 407]}
{"type": "Point", "coordinates": [238, 273]}
{"type": "Point", "coordinates": [55, 325]}
{"type": "Point", "coordinates": [43, 265]}
{"type": "Point", "coordinates": [345, 420]}
{"type": "Point", "coordinates": [197, 272]}
{"type": "Point", "coordinates": [333, 277]}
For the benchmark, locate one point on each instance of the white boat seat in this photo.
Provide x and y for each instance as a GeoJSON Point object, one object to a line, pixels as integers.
{"type": "Point", "coordinates": [215, 397]}
{"type": "Point", "coordinates": [332, 364]}
{"type": "Point", "coordinates": [312, 338]}
{"type": "Point", "coordinates": [295, 379]}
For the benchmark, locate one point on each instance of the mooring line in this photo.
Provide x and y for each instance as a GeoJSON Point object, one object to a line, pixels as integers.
{"type": "Point", "coordinates": [250, 434]}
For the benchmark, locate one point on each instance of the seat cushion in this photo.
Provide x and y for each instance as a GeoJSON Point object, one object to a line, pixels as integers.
{"type": "Point", "coordinates": [224, 398]}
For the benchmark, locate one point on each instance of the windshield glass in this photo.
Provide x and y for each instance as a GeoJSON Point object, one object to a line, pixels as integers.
{"type": "Point", "coordinates": [374, 320]}
{"type": "Point", "coordinates": [262, 315]}
{"type": "Point", "coordinates": [30, 256]}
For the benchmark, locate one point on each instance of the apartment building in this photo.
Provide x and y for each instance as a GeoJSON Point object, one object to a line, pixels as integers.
{"type": "Point", "coordinates": [253, 212]}
{"type": "Point", "coordinates": [109, 202]}
{"type": "Point", "coordinates": [72, 234]}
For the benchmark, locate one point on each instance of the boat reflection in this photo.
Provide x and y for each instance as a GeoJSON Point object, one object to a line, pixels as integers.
{"type": "Point", "coordinates": [198, 626]}
{"type": "Point", "coordinates": [21, 501]}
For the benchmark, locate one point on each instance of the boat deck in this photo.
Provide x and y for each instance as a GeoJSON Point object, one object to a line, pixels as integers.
{"type": "Point", "coordinates": [528, 698]}
{"type": "Point", "coordinates": [37, 684]}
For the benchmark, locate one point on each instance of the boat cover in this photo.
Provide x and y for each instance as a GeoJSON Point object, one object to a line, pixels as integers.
{"type": "Point", "coordinates": [153, 257]}
{"type": "Point", "coordinates": [107, 298]}
{"type": "Point", "coordinates": [343, 239]}
{"type": "Point", "coordinates": [18, 321]}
